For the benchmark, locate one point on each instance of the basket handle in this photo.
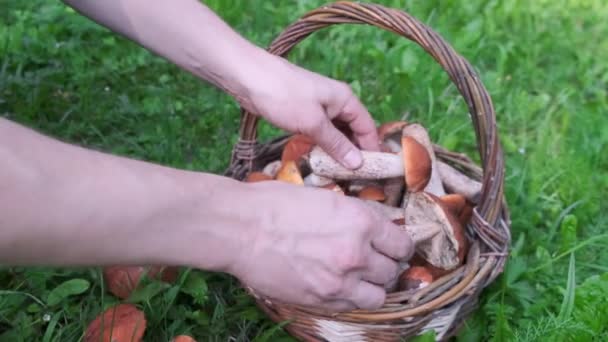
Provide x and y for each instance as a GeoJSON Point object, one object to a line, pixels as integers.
{"type": "Point", "coordinates": [459, 70]}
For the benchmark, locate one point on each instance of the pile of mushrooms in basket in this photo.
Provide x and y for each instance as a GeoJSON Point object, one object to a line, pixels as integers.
{"type": "Point", "coordinates": [429, 199]}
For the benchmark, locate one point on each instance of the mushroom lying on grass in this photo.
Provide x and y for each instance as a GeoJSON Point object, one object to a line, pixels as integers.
{"type": "Point", "coordinates": [119, 323]}
{"type": "Point", "coordinates": [121, 281]}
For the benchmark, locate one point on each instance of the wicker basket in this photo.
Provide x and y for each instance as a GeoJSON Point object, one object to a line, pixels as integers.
{"type": "Point", "coordinates": [445, 304]}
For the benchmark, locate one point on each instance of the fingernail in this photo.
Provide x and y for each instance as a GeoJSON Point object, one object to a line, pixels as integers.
{"type": "Point", "coordinates": [353, 159]}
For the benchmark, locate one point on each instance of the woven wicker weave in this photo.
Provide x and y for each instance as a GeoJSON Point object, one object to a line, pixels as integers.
{"type": "Point", "coordinates": [446, 303]}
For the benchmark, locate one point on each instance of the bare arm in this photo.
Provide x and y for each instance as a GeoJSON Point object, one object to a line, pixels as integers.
{"type": "Point", "coordinates": [193, 37]}
{"type": "Point", "coordinates": [61, 204]}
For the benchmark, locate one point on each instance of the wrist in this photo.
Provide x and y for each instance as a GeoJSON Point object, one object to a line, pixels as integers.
{"type": "Point", "coordinates": [206, 223]}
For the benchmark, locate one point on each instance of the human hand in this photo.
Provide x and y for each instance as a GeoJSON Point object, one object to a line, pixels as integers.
{"type": "Point", "coordinates": [313, 247]}
{"type": "Point", "coordinates": [301, 101]}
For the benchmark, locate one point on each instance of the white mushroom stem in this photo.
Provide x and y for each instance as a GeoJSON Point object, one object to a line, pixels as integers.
{"type": "Point", "coordinates": [457, 182]}
{"type": "Point", "coordinates": [376, 165]}
{"type": "Point", "coordinates": [317, 181]}
{"type": "Point", "coordinates": [421, 135]}
{"type": "Point", "coordinates": [272, 168]}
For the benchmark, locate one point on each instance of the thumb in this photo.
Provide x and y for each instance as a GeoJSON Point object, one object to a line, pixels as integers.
{"type": "Point", "coordinates": [336, 144]}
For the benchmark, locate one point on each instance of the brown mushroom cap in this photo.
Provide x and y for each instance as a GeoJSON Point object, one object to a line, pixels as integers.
{"type": "Point", "coordinates": [122, 322]}
{"type": "Point", "coordinates": [387, 129]}
{"type": "Point", "coordinates": [372, 193]}
{"type": "Point", "coordinates": [414, 278]}
{"type": "Point", "coordinates": [454, 202]}
{"type": "Point", "coordinates": [296, 148]}
{"type": "Point", "coordinates": [457, 229]}
{"type": "Point", "coordinates": [417, 164]}
{"type": "Point", "coordinates": [121, 281]}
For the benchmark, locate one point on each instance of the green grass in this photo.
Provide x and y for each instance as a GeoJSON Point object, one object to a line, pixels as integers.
{"type": "Point", "coordinates": [543, 62]}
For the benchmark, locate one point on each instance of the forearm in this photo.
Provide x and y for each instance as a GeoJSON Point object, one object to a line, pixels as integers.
{"type": "Point", "coordinates": [186, 33]}
{"type": "Point", "coordinates": [61, 204]}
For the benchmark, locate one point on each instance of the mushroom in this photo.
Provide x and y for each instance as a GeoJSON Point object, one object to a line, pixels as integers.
{"type": "Point", "coordinates": [257, 176]}
{"type": "Point", "coordinates": [434, 230]}
{"type": "Point", "coordinates": [296, 148]}
{"type": "Point", "coordinates": [454, 202]}
{"type": "Point", "coordinates": [415, 278]}
{"type": "Point", "coordinates": [122, 322]}
{"type": "Point", "coordinates": [121, 281]}
{"type": "Point", "coordinates": [421, 135]}
{"type": "Point", "coordinates": [389, 134]}
{"type": "Point", "coordinates": [317, 181]}
{"type": "Point", "coordinates": [272, 168]}
{"type": "Point", "coordinates": [388, 131]}
{"type": "Point", "coordinates": [413, 164]}
{"type": "Point", "coordinates": [290, 173]}
{"type": "Point", "coordinates": [372, 193]}
{"type": "Point", "coordinates": [456, 182]}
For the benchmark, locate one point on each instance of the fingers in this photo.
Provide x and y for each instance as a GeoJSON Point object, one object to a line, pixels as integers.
{"type": "Point", "coordinates": [360, 122]}
{"type": "Point", "coordinates": [381, 269]}
{"type": "Point", "coordinates": [336, 144]}
{"type": "Point", "coordinates": [367, 296]}
{"type": "Point", "coordinates": [393, 242]}
{"type": "Point", "coordinates": [346, 107]}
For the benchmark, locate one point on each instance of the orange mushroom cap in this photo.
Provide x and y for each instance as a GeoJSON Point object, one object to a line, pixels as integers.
{"type": "Point", "coordinates": [119, 323]}
{"type": "Point", "coordinates": [296, 147]}
{"type": "Point", "coordinates": [373, 193]}
{"type": "Point", "coordinates": [417, 164]}
{"type": "Point", "coordinates": [389, 128]}
{"type": "Point", "coordinates": [121, 281]}
{"type": "Point", "coordinates": [415, 277]}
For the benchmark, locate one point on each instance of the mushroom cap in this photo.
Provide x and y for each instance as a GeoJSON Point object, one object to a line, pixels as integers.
{"type": "Point", "coordinates": [454, 202]}
{"type": "Point", "coordinates": [389, 128]}
{"type": "Point", "coordinates": [414, 278]}
{"type": "Point", "coordinates": [297, 146]}
{"type": "Point", "coordinates": [122, 322]}
{"type": "Point", "coordinates": [121, 281]}
{"type": "Point", "coordinates": [373, 193]}
{"type": "Point", "coordinates": [417, 164]}
{"type": "Point", "coordinates": [257, 176]}
{"type": "Point", "coordinates": [290, 173]}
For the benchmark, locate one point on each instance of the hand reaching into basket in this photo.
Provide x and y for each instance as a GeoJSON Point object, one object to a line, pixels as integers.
{"type": "Point", "coordinates": [318, 249]}
{"type": "Point", "coordinates": [286, 95]}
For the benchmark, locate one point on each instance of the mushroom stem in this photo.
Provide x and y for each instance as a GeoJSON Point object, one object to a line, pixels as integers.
{"type": "Point", "coordinates": [272, 168]}
{"type": "Point", "coordinates": [376, 165]}
{"type": "Point", "coordinates": [317, 181]}
{"type": "Point", "coordinates": [393, 188]}
{"type": "Point", "coordinates": [457, 182]}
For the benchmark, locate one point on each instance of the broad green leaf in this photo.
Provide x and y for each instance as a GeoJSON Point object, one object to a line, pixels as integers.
{"type": "Point", "coordinates": [66, 289]}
